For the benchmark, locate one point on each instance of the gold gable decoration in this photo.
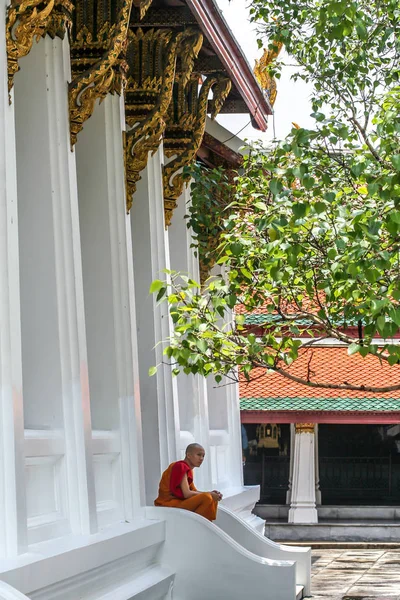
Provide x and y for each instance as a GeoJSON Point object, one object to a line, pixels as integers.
{"type": "Point", "coordinates": [185, 130]}
{"type": "Point", "coordinates": [29, 20]}
{"type": "Point", "coordinates": [152, 58]}
{"type": "Point", "coordinates": [265, 80]}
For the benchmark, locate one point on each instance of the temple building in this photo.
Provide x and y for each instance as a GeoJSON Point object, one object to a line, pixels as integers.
{"type": "Point", "coordinates": [327, 460]}
{"type": "Point", "coordinates": [101, 108]}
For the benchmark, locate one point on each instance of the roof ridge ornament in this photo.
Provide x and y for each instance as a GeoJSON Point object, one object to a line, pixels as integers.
{"type": "Point", "coordinates": [268, 83]}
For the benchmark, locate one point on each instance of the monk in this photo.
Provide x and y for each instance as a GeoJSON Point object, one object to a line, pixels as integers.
{"type": "Point", "coordinates": [177, 488]}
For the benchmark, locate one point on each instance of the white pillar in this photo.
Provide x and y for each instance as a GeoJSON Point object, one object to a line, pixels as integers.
{"type": "Point", "coordinates": [289, 490]}
{"type": "Point", "coordinates": [192, 389]}
{"type": "Point", "coordinates": [303, 505]}
{"type": "Point", "coordinates": [56, 394]}
{"type": "Point", "coordinates": [317, 490]}
{"type": "Point", "coordinates": [12, 488]}
{"type": "Point", "coordinates": [110, 315]}
{"type": "Point", "coordinates": [159, 394]}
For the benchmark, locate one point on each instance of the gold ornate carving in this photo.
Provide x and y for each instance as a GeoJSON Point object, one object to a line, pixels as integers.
{"type": "Point", "coordinates": [265, 80]}
{"type": "Point", "coordinates": [152, 60]}
{"type": "Point", "coordinates": [26, 20]}
{"type": "Point", "coordinates": [32, 19]}
{"type": "Point", "coordinates": [185, 130]}
{"type": "Point", "coordinates": [305, 427]}
{"type": "Point", "coordinates": [104, 76]}
{"type": "Point", "coordinates": [143, 6]}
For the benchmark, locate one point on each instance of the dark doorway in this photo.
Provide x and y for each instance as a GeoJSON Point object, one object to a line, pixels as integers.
{"type": "Point", "coordinates": [268, 460]}
{"type": "Point", "coordinates": [359, 464]}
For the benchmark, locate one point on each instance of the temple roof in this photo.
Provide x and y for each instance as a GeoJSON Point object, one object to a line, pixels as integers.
{"type": "Point", "coordinates": [331, 365]}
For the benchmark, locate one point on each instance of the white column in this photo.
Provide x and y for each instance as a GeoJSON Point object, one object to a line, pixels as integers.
{"type": "Point", "coordinates": [303, 505]}
{"type": "Point", "coordinates": [289, 490]}
{"type": "Point", "coordinates": [56, 393]}
{"type": "Point", "coordinates": [12, 486]}
{"type": "Point", "coordinates": [317, 490]}
{"type": "Point", "coordinates": [159, 394]}
{"type": "Point", "coordinates": [192, 389]}
{"type": "Point", "coordinates": [109, 309]}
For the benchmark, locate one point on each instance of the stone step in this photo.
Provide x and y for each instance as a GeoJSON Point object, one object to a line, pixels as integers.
{"type": "Point", "coordinates": [338, 531]}
{"type": "Point", "coordinates": [318, 545]}
{"type": "Point", "coordinates": [154, 583]}
{"type": "Point", "coordinates": [332, 512]}
{"type": "Point", "coordinates": [299, 592]}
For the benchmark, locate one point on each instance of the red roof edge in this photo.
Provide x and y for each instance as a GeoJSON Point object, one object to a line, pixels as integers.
{"type": "Point", "coordinates": [228, 50]}
{"type": "Point", "coordinates": [333, 417]}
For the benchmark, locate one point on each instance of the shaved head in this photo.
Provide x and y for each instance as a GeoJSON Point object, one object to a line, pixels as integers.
{"type": "Point", "coordinates": [192, 448]}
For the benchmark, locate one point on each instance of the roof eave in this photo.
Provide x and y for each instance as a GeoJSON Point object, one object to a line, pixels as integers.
{"type": "Point", "coordinates": [224, 44]}
{"type": "Point", "coordinates": [328, 417]}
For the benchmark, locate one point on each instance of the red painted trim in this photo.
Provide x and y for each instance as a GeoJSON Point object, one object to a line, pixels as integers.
{"type": "Point", "coordinates": [302, 416]}
{"type": "Point", "coordinates": [229, 52]}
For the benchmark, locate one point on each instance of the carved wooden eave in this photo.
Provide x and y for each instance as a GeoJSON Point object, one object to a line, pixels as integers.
{"type": "Point", "coordinates": [29, 20]}
{"type": "Point", "coordinates": [98, 46]}
{"type": "Point", "coordinates": [152, 57]}
{"type": "Point", "coordinates": [185, 130]}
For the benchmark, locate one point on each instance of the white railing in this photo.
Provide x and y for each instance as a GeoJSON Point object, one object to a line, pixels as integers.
{"type": "Point", "coordinates": [260, 545]}
{"type": "Point", "coordinates": [211, 564]}
{"type": "Point", "coordinates": [9, 593]}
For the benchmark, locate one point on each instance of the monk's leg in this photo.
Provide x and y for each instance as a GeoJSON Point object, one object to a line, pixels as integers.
{"type": "Point", "coordinates": [203, 504]}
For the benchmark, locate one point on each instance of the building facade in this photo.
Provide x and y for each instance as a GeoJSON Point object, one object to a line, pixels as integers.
{"type": "Point", "coordinates": [101, 107]}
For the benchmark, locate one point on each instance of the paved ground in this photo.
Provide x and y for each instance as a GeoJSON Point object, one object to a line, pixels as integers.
{"type": "Point", "coordinates": [355, 574]}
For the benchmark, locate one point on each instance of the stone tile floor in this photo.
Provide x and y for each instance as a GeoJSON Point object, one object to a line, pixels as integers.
{"type": "Point", "coordinates": [355, 574]}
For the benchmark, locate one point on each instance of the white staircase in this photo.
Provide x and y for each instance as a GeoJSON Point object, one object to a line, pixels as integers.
{"type": "Point", "coordinates": [171, 555]}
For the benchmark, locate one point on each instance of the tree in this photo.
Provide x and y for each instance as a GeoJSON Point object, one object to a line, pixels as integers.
{"type": "Point", "coordinates": [313, 229]}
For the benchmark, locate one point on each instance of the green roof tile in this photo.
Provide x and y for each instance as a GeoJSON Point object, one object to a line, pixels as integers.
{"type": "Point", "coordinates": [324, 404]}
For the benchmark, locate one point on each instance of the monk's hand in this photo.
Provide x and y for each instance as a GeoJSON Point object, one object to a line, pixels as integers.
{"type": "Point", "coordinates": [216, 495]}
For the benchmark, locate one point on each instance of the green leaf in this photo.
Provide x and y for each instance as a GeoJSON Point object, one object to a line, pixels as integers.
{"type": "Point", "coordinates": [156, 285]}
{"type": "Point", "coordinates": [395, 159]}
{"type": "Point", "coordinates": [152, 371]}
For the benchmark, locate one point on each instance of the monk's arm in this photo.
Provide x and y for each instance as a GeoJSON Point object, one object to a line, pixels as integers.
{"type": "Point", "coordinates": [188, 492]}
{"type": "Point", "coordinates": [185, 487]}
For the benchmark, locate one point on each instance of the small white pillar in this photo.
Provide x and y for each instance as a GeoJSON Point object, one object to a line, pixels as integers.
{"type": "Point", "coordinates": [158, 394]}
{"type": "Point", "coordinates": [318, 498]}
{"type": "Point", "coordinates": [303, 501]}
{"type": "Point", "coordinates": [192, 389]}
{"type": "Point", "coordinates": [13, 526]}
{"type": "Point", "coordinates": [110, 314]}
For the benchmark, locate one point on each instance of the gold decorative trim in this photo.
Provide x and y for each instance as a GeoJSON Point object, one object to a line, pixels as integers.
{"type": "Point", "coordinates": [24, 22]}
{"type": "Point", "coordinates": [149, 92]}
{"type": "Point", "coordinates": [304, 427]}
{"type": "Point", "coordinates": [143, 6]}
{"type": "Point", "coordinates": [265, 80]}
{"type": "Point", "coordinates": [100, 79]}
{"type": "Point", "coordinates": [186, 130]}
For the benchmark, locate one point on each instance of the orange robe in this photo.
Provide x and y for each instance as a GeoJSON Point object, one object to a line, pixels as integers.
{"type": "Point", "coordinates": [170, 493]}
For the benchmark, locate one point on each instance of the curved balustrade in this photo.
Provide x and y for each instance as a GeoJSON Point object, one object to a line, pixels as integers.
{"type": "Point", "coordinates": [9, 593]}
{"type": "Point", "coordinates": [260, 545]}
{"type": "Point", "coordinates": [209, 563]}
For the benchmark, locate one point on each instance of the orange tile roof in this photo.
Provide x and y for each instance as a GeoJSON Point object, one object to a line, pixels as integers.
{"type": "Point", "coordinates": [328, 365]}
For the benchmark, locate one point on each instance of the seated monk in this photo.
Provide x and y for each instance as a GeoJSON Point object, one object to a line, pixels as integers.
{"type": "Point", "coordinates": [177, 488]}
